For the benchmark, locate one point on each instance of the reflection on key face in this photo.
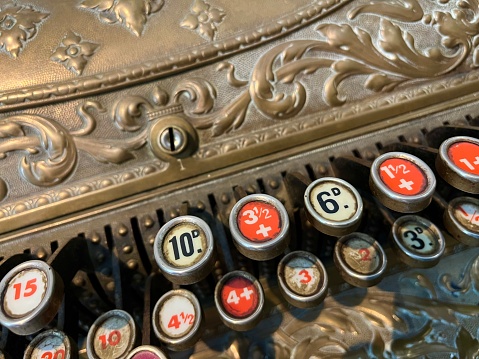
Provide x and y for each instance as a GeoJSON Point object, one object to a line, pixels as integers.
{"type": "Point", "coordinates": [468, 215]}
{"type": "Point", "coordinates": [51, 347]}
{"type": "Point", "coordinates": [302, 276]}
{"type": "Point", "coordinates": [361, 256]}
{"type": "Point", "coordinates": [113, 337]}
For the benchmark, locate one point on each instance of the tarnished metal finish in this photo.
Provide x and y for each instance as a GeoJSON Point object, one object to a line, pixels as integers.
{"type": "Point", "coordinates": [300, 70]}
{"type": "Point", "coordinates": [117, 116]}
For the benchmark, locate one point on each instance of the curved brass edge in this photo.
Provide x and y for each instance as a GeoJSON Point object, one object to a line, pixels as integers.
{"type": "Point", "coordinates": [153, 70]}
{"type": "Point", "coordinates": [190, 171]}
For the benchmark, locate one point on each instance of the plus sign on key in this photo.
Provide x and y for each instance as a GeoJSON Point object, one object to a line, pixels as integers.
{"type": "Point", "coordinates": [259, 225]}
{"type": "Point", "coordinates": [402, 182]}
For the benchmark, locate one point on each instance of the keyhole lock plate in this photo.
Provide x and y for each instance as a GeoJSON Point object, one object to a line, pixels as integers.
{"type": "Point", "coordinates": [173, 137]}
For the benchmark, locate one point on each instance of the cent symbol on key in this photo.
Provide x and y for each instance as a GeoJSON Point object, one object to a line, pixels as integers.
{"type": "Point", "coordinates": [259, 221]}
{"type": "Point", "coordinates": [403, 176]}
{"type": "Point", "coordinates": [465, 155]}
{"type": "Point", "coordinates": [239, 297]}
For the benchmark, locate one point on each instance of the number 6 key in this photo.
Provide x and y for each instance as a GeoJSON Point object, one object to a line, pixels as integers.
{"type": "Point", "coordinates": [333, 206]}
{"type": "Point", "coordinates": [184, 249]}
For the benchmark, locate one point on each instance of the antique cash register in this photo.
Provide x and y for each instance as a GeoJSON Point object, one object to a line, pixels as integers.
{"type": "Point", "coordinates": [249, 179]}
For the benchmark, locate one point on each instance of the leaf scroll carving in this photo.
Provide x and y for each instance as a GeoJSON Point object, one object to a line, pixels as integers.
{"type": "Point", "coordinates": [52, 150]}
{"type": "Point", "coordinates": [389, 59]}
{"type": "Point", "coordinates": [131, 14]}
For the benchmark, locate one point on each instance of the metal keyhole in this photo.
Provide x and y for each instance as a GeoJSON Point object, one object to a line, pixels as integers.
{"type": "Point", "coordinates": [173, 140]}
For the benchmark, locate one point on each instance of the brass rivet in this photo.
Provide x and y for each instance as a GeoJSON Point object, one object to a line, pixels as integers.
{"type": "Point", "coordinates": [149, 222]}
{"type": "Point", "coordinates": [127, 249]}
{"type": "Point", "coordinates": [132, 264]}
{"type": "Point", "coordinates": [95, 238]}
{"type": "Point", "coordinates": [225, 199]}
{"type": "Point", "coordinates": [122, 231]}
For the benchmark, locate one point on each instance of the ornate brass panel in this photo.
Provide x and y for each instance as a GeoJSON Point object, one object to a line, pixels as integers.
{"type": "Point", "coordinates": [108, 106]}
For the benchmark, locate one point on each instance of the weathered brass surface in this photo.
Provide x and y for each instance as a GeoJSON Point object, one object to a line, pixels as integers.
{"type": "Point", "coordinates": [89, 87]}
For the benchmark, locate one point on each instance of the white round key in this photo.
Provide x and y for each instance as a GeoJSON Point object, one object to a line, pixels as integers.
{"type": "Point", "coordinates": [177, 319]}
{"type": "Point", "coordinates": [112, 335]}
{"type": "Point", "coordinates": [302, 278]}
{"type": "Point", "coordinates": [51, 344]}
{"type": "Point", "coordinates": [184, 250]}
{"type": "Point", "coordinates": [333, 206]}
{"type": "Point", "coordinates": [418, 242]}
{"type": "Point", "coordinates": [31, 294]}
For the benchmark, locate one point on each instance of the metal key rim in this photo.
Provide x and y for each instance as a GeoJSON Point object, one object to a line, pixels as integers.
{"type": "Point", "coordinates": [297, 299]}
{"type": "Point", "coordinates": [98, 323]}
{"type": "Point", "coordinates": [396, 201]}
{"type": "Point", "coordinates": [36, 319]}
{"type": "Point", "coordinates": [408, 256]}
{"type": "Point", "coordinates": [260, 250]}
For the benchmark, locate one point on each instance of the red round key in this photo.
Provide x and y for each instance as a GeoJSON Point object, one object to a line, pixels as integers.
{"type": "Point", "coordinates": [259, 221]}
{"type": "Point", "coordinates": [403, 176]}
{"type": "Point", "coordinates": [239, 297]}
{"type": "Point", "coordinates": [465, 155]}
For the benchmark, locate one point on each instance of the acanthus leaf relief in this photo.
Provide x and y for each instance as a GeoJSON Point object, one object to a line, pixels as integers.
{"type": "Point", "coordinates": [133, 15]}
{"type": "Point", "coordinates": [18, 25]}
{"type": "Point", "coordinates": [59, 146]}
{"type": "Point", "coordinates": [388, 60]}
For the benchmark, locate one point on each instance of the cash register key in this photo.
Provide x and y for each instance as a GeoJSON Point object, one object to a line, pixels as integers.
{"type": "Point", "coordinates": [177, 319]}
{"type": "Point", "coordinates": [184, 250]}
{"type": "Point", "coordinates": [417, 241]}
{"type": "Point", "coordinates": [51, 344]}
{"type": "Point", "coordinates": [112, 335]}
{"type": "Point", "coordinates": [458, 163]}
{"type": "Point", "coordinates": [259, 225]}
{"type": "Point", "coordinates": [32, 294]}
{"type": "Point", "coordinates": [461, 220]}
{"type": "Point", "coordinates": [402, 182]}
{"type": "Point", "coordinates": [360, 259]}
{"type": "Point", "coordinates": [147, 352]}
{"type": "Point", "coordinates": [239, 300]}
{"type": "Point", "coordinates": [302, 279]}
{"type": "Point", "coordinates": [333, 206]}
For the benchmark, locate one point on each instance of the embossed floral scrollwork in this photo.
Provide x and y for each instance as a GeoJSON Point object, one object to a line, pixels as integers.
{"type": "Point", "coordinates": [51, 138]}
{"type": "Point", "coordinates": [47, 138]}
{"type": "Point", "coordinates": [387, 60]}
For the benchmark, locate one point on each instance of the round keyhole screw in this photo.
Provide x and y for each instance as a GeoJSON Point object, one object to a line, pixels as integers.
{"type": "Point", "coordinates": [173, 140]}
